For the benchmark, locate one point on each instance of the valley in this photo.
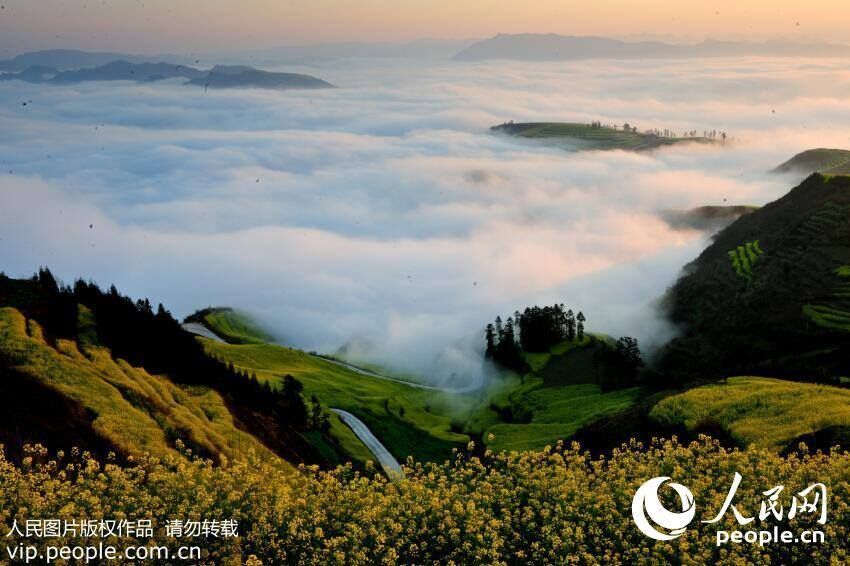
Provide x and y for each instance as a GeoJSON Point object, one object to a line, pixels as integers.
{"type": "Point", "coordinates": [293, 285]}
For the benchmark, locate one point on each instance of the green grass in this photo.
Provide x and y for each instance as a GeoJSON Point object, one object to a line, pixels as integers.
{"type": "Point", "coordinates": [557, 413]}
{"type": "Point", "coordinates": [768, 413]}
{"type": "Point", "coordinates": [593, 137]}
{"type": "Point", "coordinates": [428, 424]}
{"type": "Point", "coordinates": [558, 397]}
{"type": "Point", "coordinates": [234, 326]}
{"type": "Point", "coordinates": [408, 421]}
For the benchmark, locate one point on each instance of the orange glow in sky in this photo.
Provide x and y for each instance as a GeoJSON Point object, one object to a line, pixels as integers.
{"type": "Point", "coordinates": [157, 25]}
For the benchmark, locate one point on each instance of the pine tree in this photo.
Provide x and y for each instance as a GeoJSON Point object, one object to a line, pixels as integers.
{"type": "Point", "coordinates": [571, 325]}
{"type": "Point", "coordinates": [315, 421]}
{"type": "Point", "coordinates": [490, 335]}
{"type": "Point", "coordinates": [580, 325]}
{"type": "Point", "coordinates": [509, 333]}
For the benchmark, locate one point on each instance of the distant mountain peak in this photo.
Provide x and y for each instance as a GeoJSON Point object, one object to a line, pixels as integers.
{"type": "Point", "coordinates": [554, 47]}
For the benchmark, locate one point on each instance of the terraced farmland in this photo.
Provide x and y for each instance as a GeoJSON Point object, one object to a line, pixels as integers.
{"type": "Point", "coordinates": [593, 137]}
{"type": "Point", "coordinates": [836, 313]}
{"type": "Point", "coordinates": [744, 258]}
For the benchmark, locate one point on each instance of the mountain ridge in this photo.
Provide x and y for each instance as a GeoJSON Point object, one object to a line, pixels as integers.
{"type": "Point", "coordinates": [555, 47]}
{"type": "Point", "coordinates": [219, 76]}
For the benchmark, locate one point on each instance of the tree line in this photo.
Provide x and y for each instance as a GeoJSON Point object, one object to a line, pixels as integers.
{"type": "Point", "coordinates": [154, 340]}
{"type": "Point", "coordinates": [536, 329]}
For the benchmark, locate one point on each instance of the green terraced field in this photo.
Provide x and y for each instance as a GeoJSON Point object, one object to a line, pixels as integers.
{"type": "Point", "coordinates": [590, 137]}
{"type": "Point", "coordinates": [769, 413]}
{"type": "Point", "coordinates": [836, 314]}
{"type": "Point", "coordinates": [744, 258]}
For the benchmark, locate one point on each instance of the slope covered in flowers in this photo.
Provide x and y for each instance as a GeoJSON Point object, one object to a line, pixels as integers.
{"type": "Point", "coordinates": [553, 506]}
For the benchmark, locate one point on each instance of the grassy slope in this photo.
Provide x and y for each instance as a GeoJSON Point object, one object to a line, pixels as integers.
{"type": "Point", "coordinates": [821, 160]}
{"type": "Point", "coordinates": [594, 138]}
{"type": "Point", "coordinates": [133, 411]}
{"type": "Point", "coordinates": [234, 326]}
{"type": "Point", "coordinates": [769, 413]}
{"type": "Point", "coordinates": [555, 399]}
{"type": "Point", "coordinates": [408, 421]}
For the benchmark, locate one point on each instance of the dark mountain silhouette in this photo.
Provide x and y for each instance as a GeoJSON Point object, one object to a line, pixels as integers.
{"type": "Point", "coordinates": [126, 71]}
{"type": "Point", "coordinates": [236, 76]}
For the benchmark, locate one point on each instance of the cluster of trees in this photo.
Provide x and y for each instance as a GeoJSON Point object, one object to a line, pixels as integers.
{"type": "Point", "coordinates": [665, 133]}
{"type": "Point", "coordinates": [153, 339]}
{"type": "Point", "coordinates": [537, 329]}
{"type": "Point", "coordinates": [626, 127]}
{"type": "Point", "coordinates": [668, 133]}
{"type": "Point", "coordinates": [624, 363]}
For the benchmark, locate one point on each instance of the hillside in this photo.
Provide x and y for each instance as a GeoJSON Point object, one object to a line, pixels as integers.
{"type": "Point", "coordinates": [129, 380]}
{"type": "Point", "coordinates": [220, 76]}
{"type": "Point", "coordinates": [593, 137]}
{"type": "Point", "coordinates": [546, 507]}
{"type": "Point", "coordinates": [231, 325]}
{"type": "Point", "coordinates": [238, 76]}
{"type": "Point", "coordinates": [770, 295]}
{"type": "Point", "coordinates": [560, 394]}
{"type": "Point", "coordinates": [109, 404]}
{"type": "Point", "coordinates": [769, 413]}
{"type": "Point", "coordinates": [708, 218]}
{"type": "Point", "coordinates": [822, 160]}
{"type": "Point", "coordinates": [408, 420]}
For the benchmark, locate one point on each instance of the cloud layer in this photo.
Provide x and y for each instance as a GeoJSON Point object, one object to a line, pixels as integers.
{"type": "Point", "coordinates": [385, 210]}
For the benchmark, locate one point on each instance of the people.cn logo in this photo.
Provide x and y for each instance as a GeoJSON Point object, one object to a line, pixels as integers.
{"type": "Point", "coordinates": [653, 519]}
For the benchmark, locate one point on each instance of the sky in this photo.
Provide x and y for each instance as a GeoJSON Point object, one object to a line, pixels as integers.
{"type": "Point", "coordinates": [384, 213]}
{"type": "Point", "coordinates": [155, 26]}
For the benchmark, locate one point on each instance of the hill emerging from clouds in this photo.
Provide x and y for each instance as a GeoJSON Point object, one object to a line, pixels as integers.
{"type": "Point", "coordinates": [220, 76]}
{"type": "Point", "coordinates": [821, 160]}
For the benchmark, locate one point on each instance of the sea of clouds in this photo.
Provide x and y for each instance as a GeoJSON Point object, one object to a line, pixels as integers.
{"type": "Point", "coordinates": [383, 213]}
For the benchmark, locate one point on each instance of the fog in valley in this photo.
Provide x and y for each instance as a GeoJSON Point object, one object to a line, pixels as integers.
{"type": "Point", "coordinates": [383, 214]}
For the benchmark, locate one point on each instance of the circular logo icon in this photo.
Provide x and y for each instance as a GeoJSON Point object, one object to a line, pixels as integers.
{"type": "Point", "coordinates": [650, 515]}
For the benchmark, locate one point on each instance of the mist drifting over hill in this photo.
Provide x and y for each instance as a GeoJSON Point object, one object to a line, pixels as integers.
{"type": "Point", "coordinates": [385, 210]}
